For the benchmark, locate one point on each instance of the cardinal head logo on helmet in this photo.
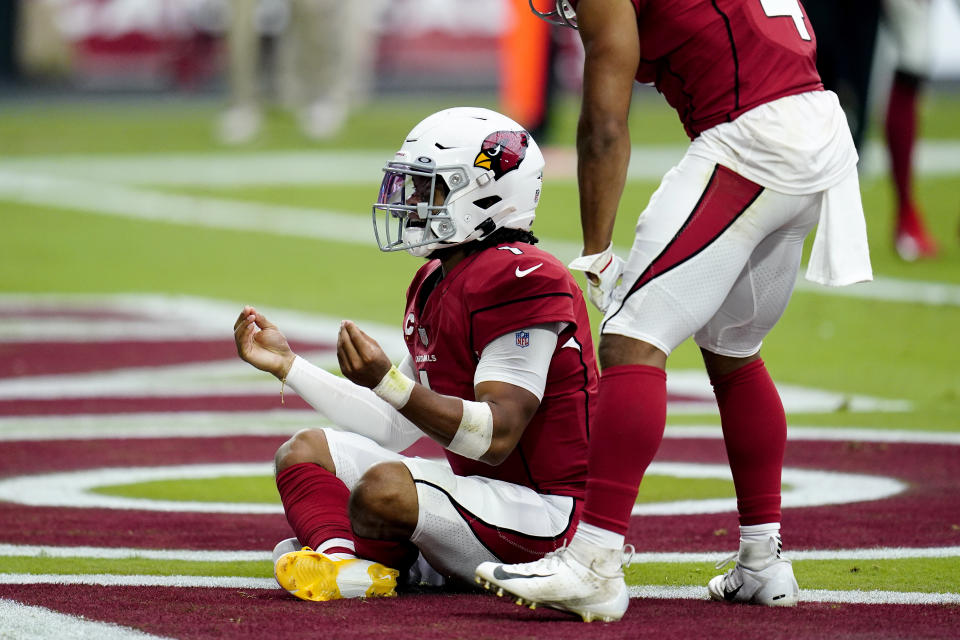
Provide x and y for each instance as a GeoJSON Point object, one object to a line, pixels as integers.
{"type": "Point", "coordinates": [502, 152]}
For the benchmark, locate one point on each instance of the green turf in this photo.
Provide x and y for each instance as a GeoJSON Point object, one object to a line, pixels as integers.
{"type": "Point", "coordinates": [227, 489]}
{"type": "Point", "coordinates": [188, 125]}
{"type": "Point", "coordinates": [134, 566]}
{"type": "Point", "coordinates": [925, 575]}
{"type": "Point", "coordinates": [262, 489]}
{"type": "Point", "coordinates": [184, 126]}
{"type": "Point", "coordinates": [667, 489]}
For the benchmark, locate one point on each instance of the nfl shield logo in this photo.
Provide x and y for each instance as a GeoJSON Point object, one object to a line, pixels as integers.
{"type": "Point", "coordinates": [523, 339]}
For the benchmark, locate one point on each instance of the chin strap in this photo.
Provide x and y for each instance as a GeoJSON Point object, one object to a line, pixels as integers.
{"type": "Point", "coordinates": [603, 271]}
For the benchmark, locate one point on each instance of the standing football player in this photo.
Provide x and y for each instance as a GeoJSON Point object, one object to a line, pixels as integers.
{"type": "Point", "coordinates": [500, 371]}
{"type": "Point", "coordinates": [716, 256]}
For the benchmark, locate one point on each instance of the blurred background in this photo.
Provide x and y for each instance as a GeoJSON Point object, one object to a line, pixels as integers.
{"type": "Point", "coordinates": [324, 59]}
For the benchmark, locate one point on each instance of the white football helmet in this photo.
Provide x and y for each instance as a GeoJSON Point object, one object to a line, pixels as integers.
{"type": "Point", "coordinates": [563, 13]}
{"type": "Point", "coordinates": [460, 175]}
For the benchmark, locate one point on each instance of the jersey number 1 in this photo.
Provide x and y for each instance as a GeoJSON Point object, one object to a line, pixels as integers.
{"type": "Point", "coordinates": [791, 8]}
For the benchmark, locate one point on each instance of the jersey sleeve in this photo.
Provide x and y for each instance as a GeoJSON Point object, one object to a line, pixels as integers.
{"type": "Point", "coordinates": [518, 291]}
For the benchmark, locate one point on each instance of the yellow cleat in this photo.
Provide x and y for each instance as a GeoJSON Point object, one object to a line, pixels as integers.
{"type": "Point", "coordinates": [310, 575]}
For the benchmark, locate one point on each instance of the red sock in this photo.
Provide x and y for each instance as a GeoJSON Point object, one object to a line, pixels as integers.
{"type": "Point", "coordinates": [624, 437]}
{"type": "Point", "coordinates": [315, 502]}
{"type": "Point", "coordinates": [901, 131]}
{"type": "Point", "coordinates": [755, 435]}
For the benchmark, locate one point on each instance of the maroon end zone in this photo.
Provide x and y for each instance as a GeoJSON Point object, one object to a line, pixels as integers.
{"type": "Point", "coordinates": [925, 515]}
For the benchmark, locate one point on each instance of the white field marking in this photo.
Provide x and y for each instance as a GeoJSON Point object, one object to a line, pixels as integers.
{"type": "Point", "coordinates": [349, 228]}
{"type": "Point", "coordinates": [364, 167]}
{"type": "Point", "coordinates": [123, 553]}
{"type": "Point", "coordinates": [146, 317]}
{"type": "Point", "coordinates": [880, 553]}
{"type": "Point", "coordinates": [196, 211]}
{"type": "Point", "coordinates": [796, 399]}
{"type": "Point", "coordinates": [73, 488]}
{"type": "Point", "coordinates": [268, 168]}
{"type": "Point", "coordinates": [110, 580]}
{"type": "Point", "coordinates": [120, 553]}
{"type": "Point", "coordinates": [807, 595]}
{"type": "Point", "coordinates": [679, 593]}
{"type": "Point", "coordinates": [890, 290]}
{"type": "Point", "coordinates": [808, 489]}
{"type": "Point", "coordinates": [287, 422]}
{"type": "Point", "coordinates": [833, 434]}
{"type": "Point", "coordinates": [235, 378]}
{"type": "Point", "coordinates": [25, 317]}
{"type": "Point", "coordinates": [18, 620]}
{"type": "Point", "coordinates": [278, 422]}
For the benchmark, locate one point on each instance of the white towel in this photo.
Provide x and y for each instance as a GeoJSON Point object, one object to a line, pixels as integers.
{"type": "Point", "coordinates": [840, 254]}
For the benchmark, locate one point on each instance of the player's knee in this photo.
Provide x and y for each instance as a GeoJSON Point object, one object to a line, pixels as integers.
{"type": "Point", "coordinates": [383, 504]}
{"type": "Point", "coordinates": [615, 350]}
{"type": "Point", "coordinates": [306, 445]}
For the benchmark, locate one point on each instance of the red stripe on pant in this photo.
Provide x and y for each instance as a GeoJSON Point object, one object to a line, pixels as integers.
{"type": "Point", "coordinates": [514, 547]}
{"type": "Point", "coordinates": [726, 196]}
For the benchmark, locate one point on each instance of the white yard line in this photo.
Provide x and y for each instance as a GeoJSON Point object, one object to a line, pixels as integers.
{"type": "Point", "coordinates": [279, 422]}
{"type": "Point", "coordinates": [364, 167]}
{"type": "Point", "coordinates": [680, 593]}
{"type": "Point", "coordinates": [120, 553]}
{"type": "Point", "coordinates": [76, 489]}
{"type": "Point", "coordinates": [25, 318]}
{"type": "Point", "coordinates": [833, 434]}
{"type": "Point", "coordinates": [807, 488]}
{"type": "Point", "coordinates": [110, 580]}
{"type": "Point", "coordinates": [286, 422]}
{"type": "Point", "coordinates": [808, 595]}
{"type": "Point", "coordinates": [146, 204]}
{"type": "Point", "coordinates": [142, 203]}
{"type": "Point", "coordinates": [19, 620]}
{"type": "Point", "coordinates": [883, 553]}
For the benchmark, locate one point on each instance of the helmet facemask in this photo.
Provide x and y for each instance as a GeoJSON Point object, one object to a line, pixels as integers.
{"type": "Point", "coordinates": [412, 212]}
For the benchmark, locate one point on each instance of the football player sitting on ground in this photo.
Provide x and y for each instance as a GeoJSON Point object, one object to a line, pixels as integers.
{"type": "Point", "coordinates": [715, 257]}
{"type": "Point", "coordinates": [500, 372]}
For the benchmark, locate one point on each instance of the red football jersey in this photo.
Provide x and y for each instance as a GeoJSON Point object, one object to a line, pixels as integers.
{"type": "Point", "coordinates": [715, 59]}
{"type": "Point", "coordinates": [498, 291]}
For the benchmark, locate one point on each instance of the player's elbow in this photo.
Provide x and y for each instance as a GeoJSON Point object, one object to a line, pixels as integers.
{"type": "Point", "coordinates": [501, 446]}
{"type": "Point", "coordinates": [598, 131]}
{"type": "Point", "coordinates": [496, 454]}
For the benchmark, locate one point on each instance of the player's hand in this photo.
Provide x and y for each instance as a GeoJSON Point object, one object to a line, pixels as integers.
{"type": "Point", "coordinates": [362, 360]}
{"type": "Point", "coordinates": [260, 343]}
{"type": "Point", "coordinates": [603, 271]}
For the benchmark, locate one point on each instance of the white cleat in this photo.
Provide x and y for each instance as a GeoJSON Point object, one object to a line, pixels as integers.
{"type": "Point", "coordinates": [760, 576]}
{"type": "Point", "coordinates": [561, 581]}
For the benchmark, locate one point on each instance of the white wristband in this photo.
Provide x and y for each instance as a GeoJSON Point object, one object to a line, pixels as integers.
{"type": "Point", "coordinates": [475, 433]}
{"type": "Point", "coordinates": [395, 388]}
